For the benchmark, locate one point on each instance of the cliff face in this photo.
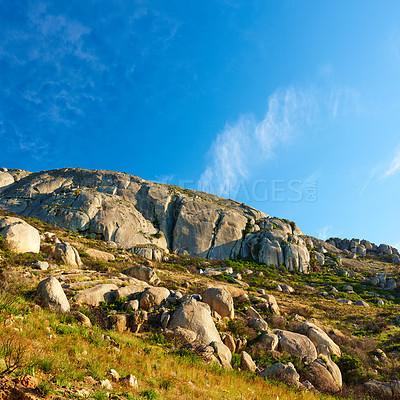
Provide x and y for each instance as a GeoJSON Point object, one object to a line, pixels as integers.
{"type": "Point", "coordinates": [149, 217]}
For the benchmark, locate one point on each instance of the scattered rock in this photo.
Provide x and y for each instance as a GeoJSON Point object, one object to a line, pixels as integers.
{"type": "Point", "coordinates": [361, 303]}
{"type": "Point", "coordinates": [146, 274]}
{"type": "Point", "coordinates": [319, 337]}
{"type": "Point", "coordinates": [253, 313]}
{"type": "Point", "coordinates": [223, 353]}
{"type": "Point", "coordinates": [220, 301]}
{"type": "Point", "coordinates": [273, 307]}
{"type": "Point", "coordinates": [130, 381]}
{"type": "Point", "coordinates": [19, 236]}
{"type": "Point", "coordinates": [82, 319]}
{"type": "Point", "coordinates": [285, 373]}
{"type": "Point", "coordinates": [98, 255]}
{"type": "Point", "coordinates": [106, 384]}
{"type": "Point", "coordinates": [136, 320]}
{"type": "Point", "coordinates": [67, 254]}
{"type": "Point", "coordinates": [113, 375]}
{"type": "Point", "coordinates": [295, 343]}
{"type": "Point", "coordinates": [42, 265]}
{"type": "Point", "coordinates": [258, 323]}
{"type": "Point", "coordinates": [52, 295]}
{"type": "Point", "coordinates": [118, 322]}
{"type": "Point", "coordinates": [197, 318]}
{"type": "Point", "coordinates": [246, 362]}
{"type": "Point", "coordinates": [96, 294]}
{"type": "Point", "coordinates": [153, 297]}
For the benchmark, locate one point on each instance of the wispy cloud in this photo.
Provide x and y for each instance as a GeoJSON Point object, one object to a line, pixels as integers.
{"type": "Point", "coordinates": [394, 165]}
{"type": "Point", "coordinates": [65, 68]}
{"type": "Point", "coordinates": [243, 146]}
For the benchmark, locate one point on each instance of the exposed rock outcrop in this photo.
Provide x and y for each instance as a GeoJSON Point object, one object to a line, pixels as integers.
{"type": "Point", "coordinates": [150, 219]}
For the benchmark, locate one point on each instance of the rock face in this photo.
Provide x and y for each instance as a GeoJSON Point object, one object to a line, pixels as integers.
{"type": "Point", "coordinates": [220, 301]}
{"type": "Point", "coordinates": [52, 295]}
{"type": "Point", "coordinates": [149, 218]}
{"type": "Point", "coordinates": [67, 254]}
{"type": "Point", "coordinates": [19, 236]}
{"type": "Point", "coordinates": [196, 317]}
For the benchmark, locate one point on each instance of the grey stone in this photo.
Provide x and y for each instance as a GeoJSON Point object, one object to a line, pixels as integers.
{"type": "Point", "coordinates": [95, 295]}
{"type": "Point", "coordinates": [285, 373]}
{"type": "Point", "coordinates": [153, 297]}
{"type": "Point", "coordinates": [220, 301]}
{"type": "Point", "coordinates": [297, 344]}
{"type": "Point", "coordinates": [246, 362]}
{"type": "Point", "coordinates": [52, 295]}
{"type": "Point", "coordinates": [67, 254]}
{"type": "Point", "coordinates": [146, 274]}
{"type": "Point", "coordinates": [197, 318]}
{"type": "Point", "coordinates": [19, 236]}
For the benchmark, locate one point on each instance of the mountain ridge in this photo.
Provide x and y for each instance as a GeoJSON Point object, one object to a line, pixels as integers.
{"type": "Point", "coordinates": [153, 219]}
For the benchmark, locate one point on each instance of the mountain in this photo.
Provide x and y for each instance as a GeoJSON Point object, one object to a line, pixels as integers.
{"type": "Point", "coordinates": [150, 217]}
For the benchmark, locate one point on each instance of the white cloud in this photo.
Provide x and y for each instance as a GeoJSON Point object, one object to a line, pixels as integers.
{"type": "Point", "coordinates": [242, 147]}
{"type": "Point", "coordinates": [393, 167]}
{"type": "Point", "coordinates": [323, 233]}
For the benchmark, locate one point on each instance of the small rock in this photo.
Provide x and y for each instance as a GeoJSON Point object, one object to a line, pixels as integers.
{"type": "Point", "coordinates": [253, 313]}
{"type": "Point", "coordinates": [42, 265]}
{"type": "Point", "coordinates": [106, 384]}
{"type": "Point", "coordinates": [258, 323]}
{"type": "Point", "coordinates": [30, 381]}
{"type": "Point", "coordinates": [246, 362]}
{"type": "Point", "coordinates": [113, 375]}
{"type": "Point", "coordinates": [361, 303]}
{"type": "Point", "coordinates": [130, 381]}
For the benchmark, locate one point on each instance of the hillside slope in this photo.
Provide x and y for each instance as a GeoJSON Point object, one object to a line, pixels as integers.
{"type": "Point", "coordinates": [138, 214]}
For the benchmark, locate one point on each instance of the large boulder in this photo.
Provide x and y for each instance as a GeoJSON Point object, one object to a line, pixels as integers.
{"type": "Point", "coordinates": [196, 317]}
{"type": "Point", "coordinates": [67, 254]}
{"type": "Point", "coordinates": [319, 337]}
{"type": "Point", "coordinates": [97, 294]}
{"type": "Point", "coordinates": [297, 344]}
{"type": "Point", "coordinates": [98, 255]}
{"type": "Point", "coordinates": [146, 274]}
{"type": "Point", "coordinates": [382, 390]}
{"type": "Point", "coordinates": [321, 378]}
{"type": "Point", "coordinates": [131, 292]}
{"type": "Point", "coordinates": [19, 236]}
{"type": "Point", "coordinates": [220, 301]}
{"type": "Point", "coordinates": [153, 297]}
{"type": "Point", "coordinates": [223, 354]}
{"type": "Point", "coordinates": [52, 295]}
{"type": "Point", "coordinates": [285, 373]}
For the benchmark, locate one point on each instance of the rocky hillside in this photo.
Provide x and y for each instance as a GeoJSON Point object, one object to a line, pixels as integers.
{"type": "Point", "coordinates": [84, 317]}
{"type": "Point", "coordinates": [151, 218]}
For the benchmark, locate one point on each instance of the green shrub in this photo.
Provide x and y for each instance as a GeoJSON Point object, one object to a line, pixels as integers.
{"type": "Point", "coordinates": [351, 368]}
{"type": "Point", "coordinates": [149, 394]}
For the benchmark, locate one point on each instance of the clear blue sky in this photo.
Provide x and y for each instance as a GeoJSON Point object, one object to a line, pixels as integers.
{"type": "Point", "coordinates": [290, 106]}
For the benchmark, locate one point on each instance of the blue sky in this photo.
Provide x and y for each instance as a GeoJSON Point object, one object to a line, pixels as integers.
{"type": "Point", "coordinates": [290, 106]}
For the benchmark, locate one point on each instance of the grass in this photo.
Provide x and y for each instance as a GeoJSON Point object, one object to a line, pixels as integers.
{"type": "Point", "coordinates": [62, 353]}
